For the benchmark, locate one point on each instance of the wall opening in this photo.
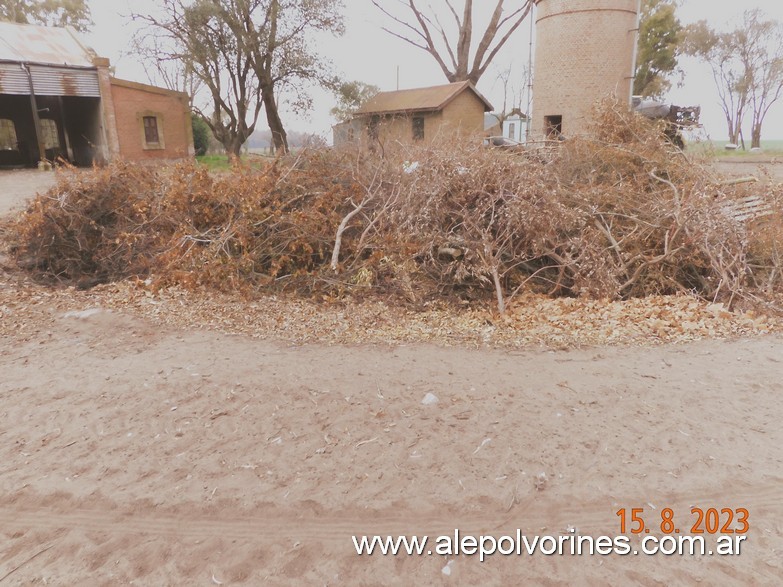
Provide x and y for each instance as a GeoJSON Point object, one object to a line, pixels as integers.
{"type": "Point", "coordinates": [70, 128]}
{"type": "Point", "coordinates": [553, 126]}
{"type": "Point", "coordinates": [8, 140]}
{"type": "Point", "coordinates": [50, 134]}
{"type": "Point", "coordinates": [372, 129]}
{"type": "Point", "coordinates": [418, 128]}
{"type": "Point", "coordinates": [83, 123]}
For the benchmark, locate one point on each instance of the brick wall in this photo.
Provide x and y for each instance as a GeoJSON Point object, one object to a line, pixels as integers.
{"type": "Point", "coordinates": [132, 102]}
{"type": "Point", "coordinates": [584, 53]}
{"type": "Point", "coordinates": [464, 114]}
{"type": "Point", "coordinates": [110, 144]}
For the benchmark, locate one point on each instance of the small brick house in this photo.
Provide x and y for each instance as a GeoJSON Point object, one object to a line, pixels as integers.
{"type": "Point", "coordinates": [152, 122]}
{"type": "Point", "coordinates": [420, 115]}
{"type": "Point", "coordinates": [59, 101]}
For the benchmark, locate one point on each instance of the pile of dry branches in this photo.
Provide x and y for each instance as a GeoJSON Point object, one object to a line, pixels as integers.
{"type": "Point", "coordinates": [621, 214]}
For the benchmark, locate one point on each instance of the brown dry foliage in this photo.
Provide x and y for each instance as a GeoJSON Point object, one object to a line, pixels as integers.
{"type": "Point", "coordinates": [622, 214]}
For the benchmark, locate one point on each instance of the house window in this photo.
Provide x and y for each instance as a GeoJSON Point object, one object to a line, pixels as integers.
{"type": "Point", "coordinates": [151, 130]}
{"type": "Point", "coordinates": [49, 134]}
{"type": "Point", "coordinates": [418, 128]}
{"type": "Point", "coordinates": [553, 126]}
{"type": "Point", "coordinates": [8, 141]}
{"type": "Point", "coordinates": [512, 130]}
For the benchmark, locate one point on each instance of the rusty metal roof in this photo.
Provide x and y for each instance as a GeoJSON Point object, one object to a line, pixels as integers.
{"type": "Point", "coordinates": [419, 99]}
{"type": "Point", "coordinates": [43, 45]}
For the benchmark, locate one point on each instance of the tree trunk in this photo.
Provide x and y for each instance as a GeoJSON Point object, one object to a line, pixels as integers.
{"type": "Point", "coordinates": [733, 132]}
{"type": "Point", "coordinates": [279, 136]}
{"type": "Point", "coordinates": [235, 149]}
{"type": "Point", "coordinates": [755, 137]}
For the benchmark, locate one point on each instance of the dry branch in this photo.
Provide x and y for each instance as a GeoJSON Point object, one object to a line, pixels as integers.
{"type": "Point", "coordinates": [617, 215]}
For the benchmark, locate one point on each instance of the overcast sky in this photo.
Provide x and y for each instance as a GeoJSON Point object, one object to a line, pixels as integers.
{"type": "Point", "coordinates": [368, 54]}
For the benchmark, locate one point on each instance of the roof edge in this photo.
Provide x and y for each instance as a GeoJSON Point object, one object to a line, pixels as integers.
{"type": "Point", "coordinates": [45, 64]}
{"type": "Point", "coordinates": [488, 107]}
{"type": "Point", "coordinates": [124, 83]}
{"type": "Point", "coordinates": [462, 86]}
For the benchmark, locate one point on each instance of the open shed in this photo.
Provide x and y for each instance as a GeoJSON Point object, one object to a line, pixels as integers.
{"type": "Point", "coordinates": [59, 101]}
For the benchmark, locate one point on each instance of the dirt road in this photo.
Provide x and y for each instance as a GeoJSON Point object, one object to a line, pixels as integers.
{"type": "Point", "coordinates": [135, 455]}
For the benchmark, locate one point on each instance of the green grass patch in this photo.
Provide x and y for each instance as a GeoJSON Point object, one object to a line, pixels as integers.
{"type": "Point", "coordinates": [717, 149]}
{"type": "Point", "coordinates": [214, 162]}
{"type": "Point", "coordinates": [221, 163]}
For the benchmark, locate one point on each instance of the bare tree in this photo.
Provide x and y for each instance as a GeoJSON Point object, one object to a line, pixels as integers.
{"type": "Point", "coordinates": [732, 79]}
{"type": "Point", "coordinates": [760, 42]}
{"type": "Point", "coordinates": [246, 53]}
{"type": "Point", "coordinates": [747, 64]}
{"type": "Point", "coordinates": [173, 74]}
{"type": "Point", "coordinates": [452, 46]}
{"type": "Point", "coordinates": [514, 81]}
{"type": "Point", "coordinates": [287, 62]}
{"type": "Point", "coordinates": [197, 35]}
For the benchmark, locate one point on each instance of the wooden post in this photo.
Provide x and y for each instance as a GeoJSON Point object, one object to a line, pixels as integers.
{"type": "Point", "coordinates": [36, 118]}
{"type": "Point", "coordinates": [68, 149]}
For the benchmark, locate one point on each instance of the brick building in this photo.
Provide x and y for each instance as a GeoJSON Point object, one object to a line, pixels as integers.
{"type": "Point", "coordinates": [59, 101]}
{"type": "Point", "coordinates": [420, 115]}
{"type": "Point", "coordinates": [585, 52]}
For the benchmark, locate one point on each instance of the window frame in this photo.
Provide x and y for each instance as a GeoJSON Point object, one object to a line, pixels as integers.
{"type": "Point", "coordinates": [147, 145]}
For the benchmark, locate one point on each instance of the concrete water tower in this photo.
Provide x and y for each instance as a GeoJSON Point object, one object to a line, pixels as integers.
{"type": "Point", "coordinates": [585, 51]}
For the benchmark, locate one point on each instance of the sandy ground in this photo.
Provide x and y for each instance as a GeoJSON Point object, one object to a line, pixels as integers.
{"type": "Point", "coordinates": [763, 168]}
{"type": "Point", "coordinates": [139, 456]}
{"type": "Point", "coordinates": [17, 185]}
{"type": "Point", "coordinates": [135, 453]}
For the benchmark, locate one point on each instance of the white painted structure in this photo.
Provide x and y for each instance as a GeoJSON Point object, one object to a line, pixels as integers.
{"type": "Point", "coordinates": [514, 128]}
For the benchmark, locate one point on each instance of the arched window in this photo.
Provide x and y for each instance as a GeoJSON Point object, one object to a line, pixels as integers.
{"type": "Point", "coordinates": [8, 140]}
{"type": "Point", "coordinates": [49, 134]}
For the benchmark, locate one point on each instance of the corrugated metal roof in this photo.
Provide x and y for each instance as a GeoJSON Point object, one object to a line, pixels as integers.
{"type": "Point", "coordinates": [44, 45]}
{"type": "Point", "coordinates": [418, 99]}
{"type": "Point", "coordinates": [64, 81]}
{"type": "Point", "coordinates": [14, 80]}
